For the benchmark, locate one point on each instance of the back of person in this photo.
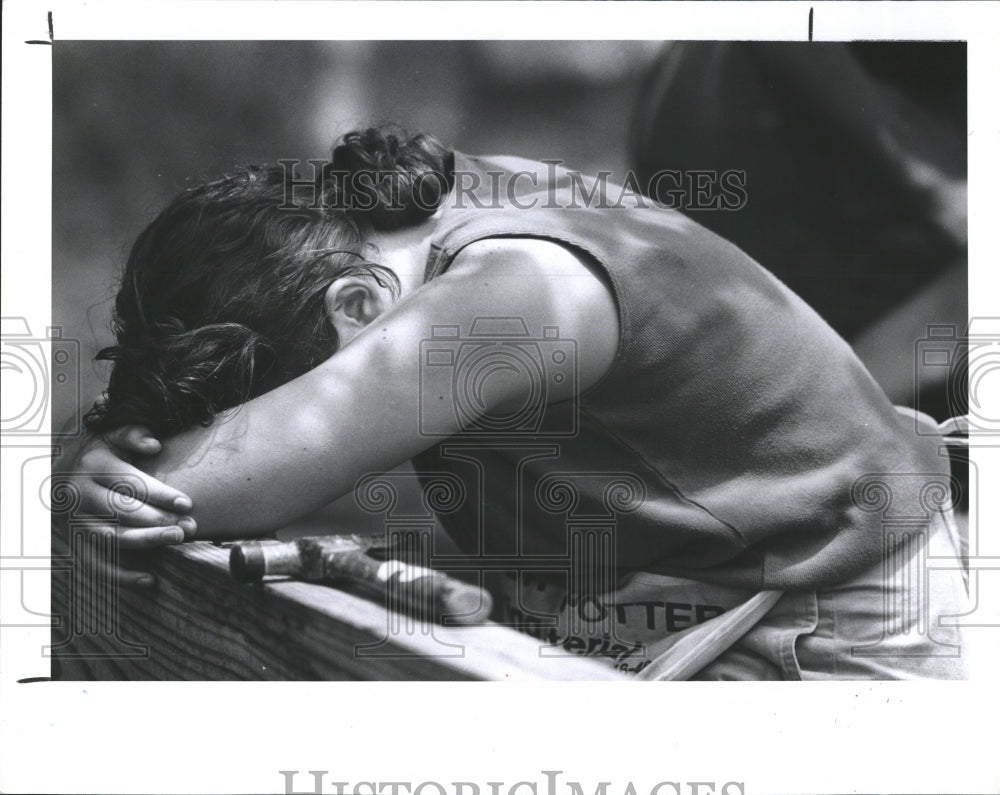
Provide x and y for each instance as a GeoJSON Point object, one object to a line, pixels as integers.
{"type": "Point", "coordinates": [732, 447]}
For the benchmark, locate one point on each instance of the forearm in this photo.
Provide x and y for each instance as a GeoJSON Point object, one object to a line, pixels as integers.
{"type": "Point", "coordinates": [263, 466]}
{"type": "Point", "coordinates": [289, 452]}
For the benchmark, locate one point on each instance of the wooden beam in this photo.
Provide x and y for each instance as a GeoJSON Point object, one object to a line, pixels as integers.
{"type": "Point", "coordinates": [198, 623]}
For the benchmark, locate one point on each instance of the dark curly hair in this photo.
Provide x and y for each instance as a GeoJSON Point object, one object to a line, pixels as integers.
{"type": "Point", "coordinates": [222, 297]}
{"type": "Point", "coordinates": [389, 180]}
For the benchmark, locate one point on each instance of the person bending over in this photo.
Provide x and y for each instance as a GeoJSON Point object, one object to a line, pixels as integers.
{"type": "Point", "coordinates": [566, 362]}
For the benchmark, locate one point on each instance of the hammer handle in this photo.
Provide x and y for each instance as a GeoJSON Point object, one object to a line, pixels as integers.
{"type": "Point", "coordinates": [430, 593]}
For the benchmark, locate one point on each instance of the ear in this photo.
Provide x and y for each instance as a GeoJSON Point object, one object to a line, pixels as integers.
{"type": "Point", "coordinates": [352, 303]}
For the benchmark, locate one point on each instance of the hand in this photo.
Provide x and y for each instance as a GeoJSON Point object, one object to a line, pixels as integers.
{"type": "Point", "coordinates": [122, 500]}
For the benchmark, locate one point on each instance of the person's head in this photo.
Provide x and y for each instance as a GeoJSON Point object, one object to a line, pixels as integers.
{"type": "Point", "coordinates": [228, 294]}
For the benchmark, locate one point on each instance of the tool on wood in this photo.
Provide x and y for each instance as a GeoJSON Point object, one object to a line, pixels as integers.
{"type": "Point", "coordinates": [432, 594]}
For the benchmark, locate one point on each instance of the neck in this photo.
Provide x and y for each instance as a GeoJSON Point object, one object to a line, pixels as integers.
{"type": "Point", "coordinates": [405, 252]}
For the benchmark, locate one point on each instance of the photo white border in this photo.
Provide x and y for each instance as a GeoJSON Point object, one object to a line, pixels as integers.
{"type": "Point", "coordinates": [235, 737]}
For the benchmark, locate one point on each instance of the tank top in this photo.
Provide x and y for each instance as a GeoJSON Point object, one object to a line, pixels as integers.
{"type": "Point", "coordinates": [726, 444]}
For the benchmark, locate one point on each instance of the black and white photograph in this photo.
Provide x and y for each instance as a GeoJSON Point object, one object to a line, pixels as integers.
{"type": "Point", "coordinates": [345, 366]}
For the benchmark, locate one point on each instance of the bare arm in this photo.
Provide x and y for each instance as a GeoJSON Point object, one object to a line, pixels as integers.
{"type": "Point", "coordinates": [296, 448]}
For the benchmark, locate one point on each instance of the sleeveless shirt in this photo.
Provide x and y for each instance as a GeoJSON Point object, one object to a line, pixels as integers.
{"type": "Point", "coordinates": [726, 443]}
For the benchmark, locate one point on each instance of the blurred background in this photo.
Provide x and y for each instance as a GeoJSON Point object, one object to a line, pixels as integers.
{"type": "Point", "coordinates": [854, 154]}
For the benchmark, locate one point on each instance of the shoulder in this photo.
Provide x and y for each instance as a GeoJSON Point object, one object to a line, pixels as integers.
{"type": "Point", "coordinates": [537, 259]}
{"type": "Point", "coordinates": [572, 282]}
{"type": "Point", "coordinates": [547, 285]}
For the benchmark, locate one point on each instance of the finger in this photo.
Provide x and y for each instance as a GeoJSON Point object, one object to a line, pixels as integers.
{"type": "Point", "coordinates": [155, 493]}
{"type": "Point", "coordinates": [102, 560]}
{"type": "Point", "coordinates": [136, 439]}
{"type": "Point", "coordinates": [132, 538]}
{"type": "Point", "coordinates": [147, 518]}
{"type": "Point", "coordinates": [149, 537]}
{"type": "Point", "coordinates": [127, 578]}
{"type": "Point", "coordinates": [131, 512]}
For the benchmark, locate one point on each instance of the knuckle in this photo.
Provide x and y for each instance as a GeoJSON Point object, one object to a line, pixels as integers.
{"type": "Point", "coordinates": [123, 488]}
{"type": "Point", "coordinates": [88, 459]}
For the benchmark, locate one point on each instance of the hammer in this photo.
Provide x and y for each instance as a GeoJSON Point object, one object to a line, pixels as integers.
{"type": "Point", "coordinates": [334, 558]}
